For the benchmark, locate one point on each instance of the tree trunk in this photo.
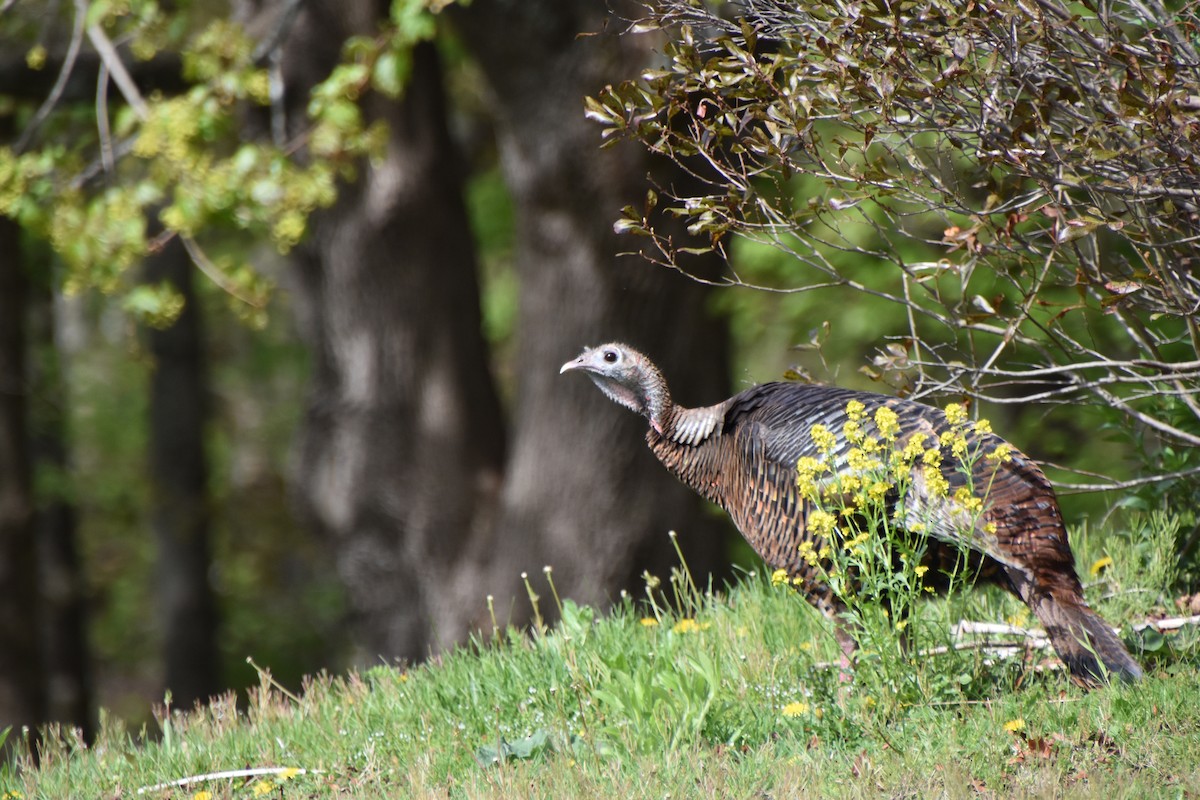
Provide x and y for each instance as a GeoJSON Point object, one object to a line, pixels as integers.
{"type": "Point", "coordinates": [582, 492]}
{"type": "Point", "coordinates": [401, 449]}
{"type": "Point", "coordinates": [22, 700]}
{"type": "Point", "coordinates": [179, 482]}
{"type": "Point", "coordinates": [67, 668]}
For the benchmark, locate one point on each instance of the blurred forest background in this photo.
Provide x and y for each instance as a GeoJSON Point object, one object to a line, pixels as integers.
{"type": "Point", "coordinates": [284, 290]}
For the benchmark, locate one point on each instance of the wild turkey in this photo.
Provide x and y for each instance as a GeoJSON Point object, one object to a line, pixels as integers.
{"type": "Point", "coordinates": [742, 454]}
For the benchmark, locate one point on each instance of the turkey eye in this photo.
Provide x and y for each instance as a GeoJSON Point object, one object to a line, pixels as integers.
{"type": "Point", "coordinates": [610, 356]}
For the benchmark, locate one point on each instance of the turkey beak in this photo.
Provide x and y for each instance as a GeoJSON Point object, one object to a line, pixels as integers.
{"type": "Point", "coordinates": [570, 365]}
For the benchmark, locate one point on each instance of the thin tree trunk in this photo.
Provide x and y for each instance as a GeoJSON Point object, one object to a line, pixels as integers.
{"type": "Point", "coordinates": [67, 668]}
{"type": "Point", "coordinates": [179, 480]}
{"type": "Point", "coordinates": [582, 492]}
{"type": "Point", "coordinates": [401, 448]}
{"type": "Point", "coordinates": [22, 699]}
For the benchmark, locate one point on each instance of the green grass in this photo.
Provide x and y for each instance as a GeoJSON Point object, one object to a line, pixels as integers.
{"type": "Point", "coordinates": [726, 698]}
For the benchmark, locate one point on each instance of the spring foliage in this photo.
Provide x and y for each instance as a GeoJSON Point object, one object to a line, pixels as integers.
{"type": "Point", "coordinates": [1020, 178]}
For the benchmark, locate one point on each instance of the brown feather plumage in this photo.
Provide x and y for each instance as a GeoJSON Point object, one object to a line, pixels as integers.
{"type": "Point", "coordinates": [742, 454]}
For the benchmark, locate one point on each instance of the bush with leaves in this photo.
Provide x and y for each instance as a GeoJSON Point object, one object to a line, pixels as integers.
{"type": "Point", "coordinates": [1021, 179]}
{"type": "Point", "coordinates": [109, 176]}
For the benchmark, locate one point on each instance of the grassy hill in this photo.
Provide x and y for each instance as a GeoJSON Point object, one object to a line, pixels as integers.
{"type": "Point", "coordinates": [726, 695]}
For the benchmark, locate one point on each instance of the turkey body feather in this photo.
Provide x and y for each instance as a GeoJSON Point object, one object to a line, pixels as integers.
{"type": "Point", "coordinates": [742, 454]}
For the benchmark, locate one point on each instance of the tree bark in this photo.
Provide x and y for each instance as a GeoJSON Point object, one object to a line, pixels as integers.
{"type": "Point", "coordinates": [402, 444]}
{"type": "Point", "coordinates": [582, 492]}
{"type": "Point", "coordinates": [22, 699]}
{"type": "Point", "coordinates": [179, 483]}
{"type": "Point", "coordinates": [67, 666]}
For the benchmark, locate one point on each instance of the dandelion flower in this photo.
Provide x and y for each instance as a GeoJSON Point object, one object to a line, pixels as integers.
{"type": "Point", "coordinates": [795, 709]}
{"type": "Point", "coordinates": [1100, 564]}
{"type": "Point", "coordinates": [689, 625]}
{"type": "Point", "coordinates": [262, 787]}
{"type": "Point", "coordinates": [197, 796]}
{"type": "Point", "coordinates": [1014, 725]}
{"type": "Point", "coordinates": [649, 622]}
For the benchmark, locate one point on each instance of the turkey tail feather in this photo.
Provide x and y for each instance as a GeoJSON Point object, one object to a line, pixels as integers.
{"type": "Point", "coordinates": [1085, 642]}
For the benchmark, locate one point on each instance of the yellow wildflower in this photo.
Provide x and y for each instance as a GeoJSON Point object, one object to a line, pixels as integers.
{"type": "Point", "coordinates": [931, 457]}
{"type": "Point", "coordinates": [808, 554]}
{"type": "Point", "coordinates": [197, 796]}
{"type": "Point", "coordinates": [287, 774]}
{"type": "Point", "coordinates": [990, 528]}
{"type": "Point", "coordinates": [821, 523]}
{"type": "Point", "coordinates": [921, 570]}
{"type": "Point", "coordinates": [901, 624]}
{"type": "Point", "coordinates": [915, 446]}
{"type": "Point", "coordinates": [956, 414]}
{"type": "Point", "coordinates": [852, 431]}
{"type": "Point", "coordinates": [1002, 453]}
{"type": "Point", "coordinates": [859, 461]}
{"type": "Point", "coordinates": [795, 709]}
{"type": "Point", "coordinates": [1018, 619]}
{"type": "Point", "coordinates": [956, 442]}
{"type": "Point", "coordinates": [807, 470]}
{"type": "Point", "coordinates": [1014, 725]}
{"type": "Point", "coordinates": [854, 546]}
{"type": "Point", "coordinates": [822, 438]}
{"type": "Point", "coordinates": [262, 787]}
{"type": "Point", "coordinates": [964, 498]}
{"type": "Point", "coordinates": [649, 622]}
{"type": "Point", "coordinates": [878, 491]}
{"type": "Point", "coordinates": [855, 410]}
{"type": "Point", "coordinates": [779, 576]}
{"type": "Point", "coordinates": [849, 483]}
{"type": "Point", "coordinates": [1100, 564]}
{"type": "Point", "coordinates": [935, 482]}
{"type": "Point", "coordinates": [983, 426]}
{"type": "Point", "coordinates": [887, 423]}
{"type": "Point", "coordinates": [689, 625]}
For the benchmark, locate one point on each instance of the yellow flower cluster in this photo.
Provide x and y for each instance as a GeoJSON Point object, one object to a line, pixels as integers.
{"type": "Point", "coordinates": [936, 484]}
{"type": "Point", "coordinates": [887, 423]}
{"type": "Point", "coordinates": [956, 414]}
{"type": "Point", "coordinates": [860, 460]}
{"type": "Point", "coordinates": [1002, 453]}
{"type": "Point", "coordinates": [824, 440]}
{"type": "Point", "coordinates": [855, 545]}
{"type": "Point", "coordinates": [964, 498]}
{"type": "Point", "coordinates": [821, 522]}
{"type": "Point", "coordinates": [956, 441]}
{"type": "Point", "coordinates": [807, 470]}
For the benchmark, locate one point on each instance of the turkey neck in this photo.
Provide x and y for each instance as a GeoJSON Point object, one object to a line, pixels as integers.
{"type": "Point", "coordinates": [686, 445]}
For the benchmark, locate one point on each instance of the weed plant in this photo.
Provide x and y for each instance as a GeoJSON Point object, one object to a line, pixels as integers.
{"type": "Point", "coordinates": [682, 692]}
